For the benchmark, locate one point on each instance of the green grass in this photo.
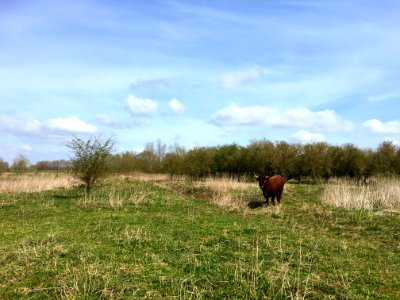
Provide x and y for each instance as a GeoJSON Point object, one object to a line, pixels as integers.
{"type": "Point", "coordinates": [137, 240]}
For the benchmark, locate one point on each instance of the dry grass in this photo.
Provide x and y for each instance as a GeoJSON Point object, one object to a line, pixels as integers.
{"type": "Point", "coordinates": [34, 182]}
{"type": "Point", "coordinates": [240, 195]}
{"type": "Point", "coordinates": [226, 192]}
{"type": "Point", "coordinates": [223, 184]}
{"type": "Point", "coordinates": [288, 277]}
{"type": "Point", "coordinates": [145, 176]}
{"type": "Point", "coordinates": [381, 194]}
{"type": "Point", "coordinates": [116, 194]}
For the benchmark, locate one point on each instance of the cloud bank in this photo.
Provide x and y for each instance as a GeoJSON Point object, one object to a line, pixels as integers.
{"type": "Point", "coordinates": [379, 127]}
{"type": "Point", "coordinates": [69, 124]}
{"type": "Point", "coordinates": [304, 136]}
{"type": "Point", "coordinates": [325, 120]}
{"type": "Point", "coordinates": [59, 125]}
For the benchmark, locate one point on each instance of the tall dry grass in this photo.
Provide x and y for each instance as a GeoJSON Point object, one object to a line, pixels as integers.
{"type": "Point", "coordinates": [145, 176]}
{"type": "Point", "coordinates": [381, 194]}
{"type": "Point", "coordinates": [117, 196]}
{"type": "Point", "coordinates": [224, 184]}
{"type": "Point", "coordinates": [34, 182]}
{"type": "Point", "coordinates": [230, 193]}
{"type": "Point", "coordinates": [226, 192]}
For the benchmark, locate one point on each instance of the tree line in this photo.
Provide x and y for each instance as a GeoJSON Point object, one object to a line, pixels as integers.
{"type": "Point", "coordinates": [314, 161]}
{"type": "Point", "coordinates": [293, 161]}
{"type": "Point", "coordinates": [21, 164]}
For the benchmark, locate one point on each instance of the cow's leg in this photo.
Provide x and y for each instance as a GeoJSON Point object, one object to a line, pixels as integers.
{"type": "Point", "coordinates": [266, 197]}
{"type": "Point", "coordinates": [273, 199]}
{"type": "Point", "coordinates": [278, 198]}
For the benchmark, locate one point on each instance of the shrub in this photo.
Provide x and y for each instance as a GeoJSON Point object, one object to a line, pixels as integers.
{"type": "Point", "coordinates": [89, 162]}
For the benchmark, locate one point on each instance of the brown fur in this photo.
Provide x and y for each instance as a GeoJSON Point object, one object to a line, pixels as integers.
{"type": "Point", "coordinates": [272, 186]}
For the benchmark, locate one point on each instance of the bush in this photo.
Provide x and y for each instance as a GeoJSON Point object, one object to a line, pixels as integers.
{"type": "Point", "coordinates": [89, 162]}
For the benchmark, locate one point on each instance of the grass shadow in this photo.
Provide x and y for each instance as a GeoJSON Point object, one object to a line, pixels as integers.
{"type": "Point", "coordinates": [63, 197]}
{"type": "Point", "coordinates": [64, 194]}
{"type": "Point", "coordinates": [255, 204]}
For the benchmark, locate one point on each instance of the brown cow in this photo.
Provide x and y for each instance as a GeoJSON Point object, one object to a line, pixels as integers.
{"type": "Point", "coordinates": [272, 186]}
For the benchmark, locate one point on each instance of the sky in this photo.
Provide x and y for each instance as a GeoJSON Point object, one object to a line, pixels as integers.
{"type": "Point", "coordinates": [197, 73]}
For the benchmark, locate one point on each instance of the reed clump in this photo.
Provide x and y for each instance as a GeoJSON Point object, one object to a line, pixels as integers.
{"type": "Point", "coordinates": [379, 194]}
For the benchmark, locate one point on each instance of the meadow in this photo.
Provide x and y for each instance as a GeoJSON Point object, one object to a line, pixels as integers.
{"type": "Point", "coordinates": [149, 237]}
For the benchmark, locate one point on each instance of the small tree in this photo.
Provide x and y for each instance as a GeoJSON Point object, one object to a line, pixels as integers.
{"type": "Point", "coordinates": [3, 166]}
{"type": "Point", "coordinates": [20, 164]}
{"type": "Point", "coordinates": [89, 163]}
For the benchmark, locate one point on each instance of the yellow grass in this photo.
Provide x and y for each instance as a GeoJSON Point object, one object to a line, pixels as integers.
{"type": "Point", "coordinates": [225, 192]}
{"type": "Point", "coordinates": [228, 192]}
{"type": "Point", "coordinates": [381, 194]}
{"type": "Point", "coordinates": [145, 176]}
{"type": "Point", "coordinates": [34, 182]}
{"type": "Point", "coordinates": [116, 197]}
{"type": "Point", "coordinates": [224, 184]}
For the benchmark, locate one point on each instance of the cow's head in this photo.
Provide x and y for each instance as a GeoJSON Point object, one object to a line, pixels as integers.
{"type": "Point", "coordinates": [261, 180]}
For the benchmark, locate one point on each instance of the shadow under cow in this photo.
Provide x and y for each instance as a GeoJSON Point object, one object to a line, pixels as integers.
{"type": "Point", "coordinates": [255, 204]}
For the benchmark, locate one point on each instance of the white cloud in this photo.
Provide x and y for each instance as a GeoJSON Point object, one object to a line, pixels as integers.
{"type": "Point", "coordinates": [304, 136]}
{"type": "Point", "coordinates": [19, 126]}
{"type": "Point", "coordinates": [141, 107]}
{"type": "Point", "coordinates": [379, 127]}
{"type": "Point", "coordinates": [176, 106]}
{"type": "Point", "coordinates": [70, 124]}
{"type": "Point", "coordinates": [34, 127]}
{"type": "Point", "coordinates": [230, 80]}
{"type": "Point", "coordinates": [325, 120]}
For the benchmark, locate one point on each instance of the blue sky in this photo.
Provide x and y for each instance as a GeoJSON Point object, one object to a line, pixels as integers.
{"type": "Point", "coordinates": [197, 73]}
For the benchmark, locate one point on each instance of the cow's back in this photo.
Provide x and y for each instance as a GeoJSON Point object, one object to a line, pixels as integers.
{"type": "Point", "coordinates": [275, 183]}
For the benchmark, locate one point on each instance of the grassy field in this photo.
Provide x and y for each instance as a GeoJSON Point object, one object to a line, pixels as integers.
{"type": "Point", "coordinates": [138, 238]}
